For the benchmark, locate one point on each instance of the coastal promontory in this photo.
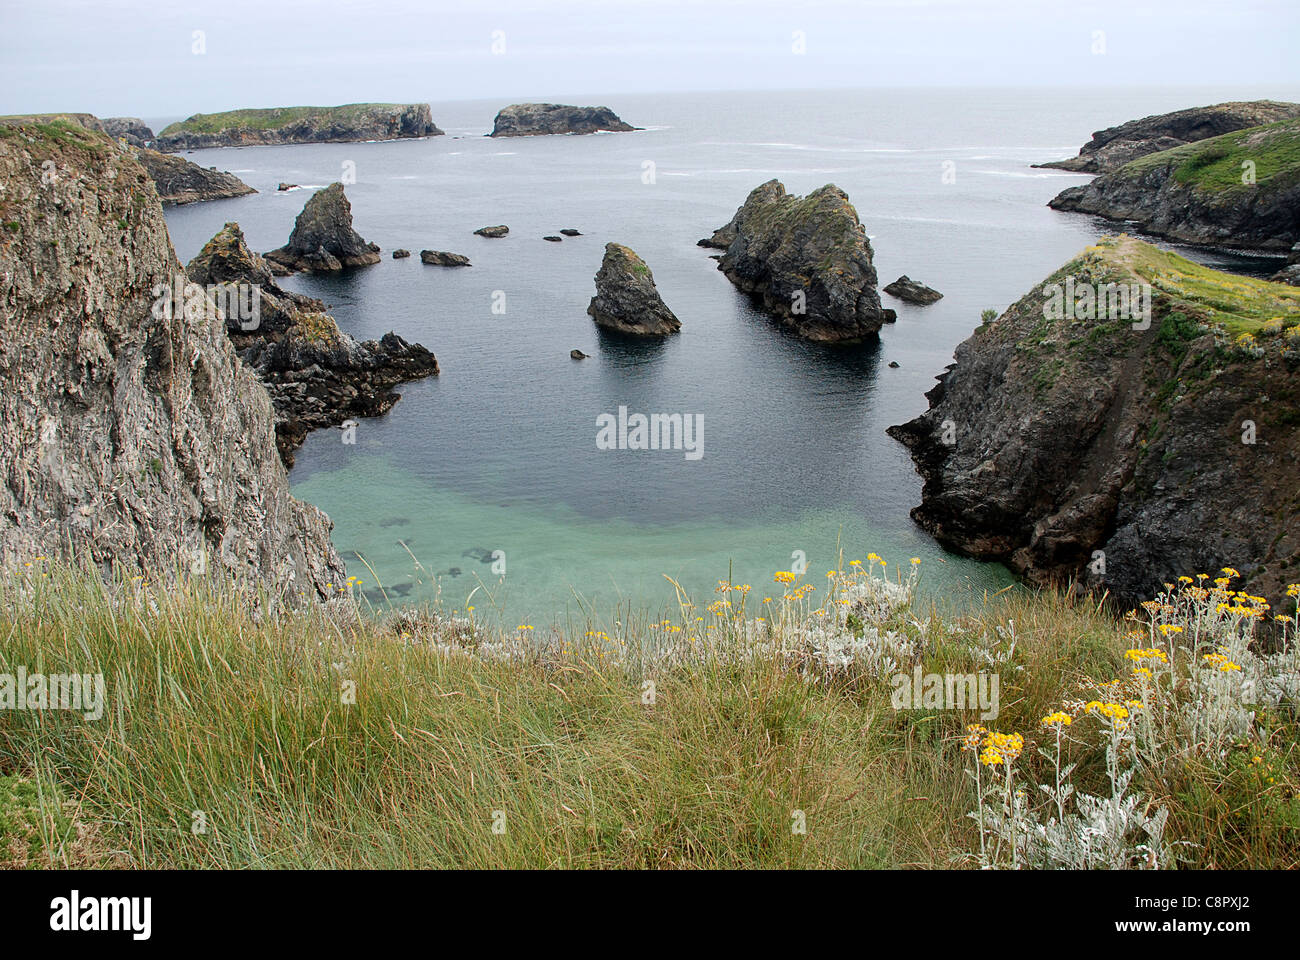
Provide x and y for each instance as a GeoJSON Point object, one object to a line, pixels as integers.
{"type": "Point", "coordinates": [1127, 421]}
{"type": "Point", "coordinates": [806, 260]}
{"type": "Point", "coordinates": [345, 124]}
{"type": "Point", "coordinates": [179, 181]}
{"type": "Point", "coordinates": [540, 119]}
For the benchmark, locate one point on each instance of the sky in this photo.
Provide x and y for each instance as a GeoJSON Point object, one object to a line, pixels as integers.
{"type": "Point", "coordinates": [152, 58]}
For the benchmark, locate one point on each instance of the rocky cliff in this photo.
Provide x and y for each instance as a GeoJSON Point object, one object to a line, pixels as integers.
{"type": "Point", "coordinates": [179, 181]}
{"type": "Point", "coordinates": [323, 240]}
{"type": "Point", "coordinates": [346, 124]}
{"type": "Point", "coordinates": [1066, 443]}
{"type": "Point", "coordinates": [1113, 147]}
{"type": "Point", "coordinates": [133, 435]}
{"type": "Point", "coordinates": [539, 119]}
{"type": "Point", "coordinates": [1241, 189]}
{"type": "Point", "coordinates": [807, 260]}
{"type": "Point", "coordinates": [317, 375]}
{"type": "Point", "coordinates": [131, 129]}
{"type": "Point", "coordinates": [626, 298]}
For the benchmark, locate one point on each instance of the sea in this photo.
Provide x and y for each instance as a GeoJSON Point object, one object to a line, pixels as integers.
{"type": "Point", "coordinates": [485, 487]}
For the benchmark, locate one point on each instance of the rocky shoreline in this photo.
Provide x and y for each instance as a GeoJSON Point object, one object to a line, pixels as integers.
{"type": "Point", "coordinates": [350, 123]}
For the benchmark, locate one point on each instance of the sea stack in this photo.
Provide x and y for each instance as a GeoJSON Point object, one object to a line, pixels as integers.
{"type": "Point", "coordinates": [541, 119]}
{"type": "Point", "coordinates": [323, 240]}
{"type": "Point", "coordinates": [806, 260]}
{"type": "Point", "coordinates": [626, 299]}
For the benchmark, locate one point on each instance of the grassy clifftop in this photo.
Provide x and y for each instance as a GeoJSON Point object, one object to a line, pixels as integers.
{"type": "Point", "coordinates": [269, 118]}
{"type": "Point", "coordinates": [1217, 163]}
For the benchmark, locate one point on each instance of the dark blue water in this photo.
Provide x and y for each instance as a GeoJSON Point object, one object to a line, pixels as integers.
{"type": "Point", "coordinates": [499, 453]}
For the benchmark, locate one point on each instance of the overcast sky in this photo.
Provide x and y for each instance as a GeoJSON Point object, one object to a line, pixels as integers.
{"type": "Point", "coordinates": [144, 57]}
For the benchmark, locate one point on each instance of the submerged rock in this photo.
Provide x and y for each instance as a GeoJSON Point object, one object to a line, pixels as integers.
{"type": "Point", "coordinates": [134, 437]}
{"type": "Point", "coordinates": [494, 232]}
{"type": "Point", "coordinates": [626, 299]}
{"type": "Point", "coordinates": [807, 260]}
{"type": "Point", "coordinates": [1052, 439]}
{"type": "Point", "coordinates": [577, 355]}
{"type": "Point", "coordinates": [1113, 147]}
{"type": "Point", "coordinates": [539, 119]}
{"type": "Point", "coordinates": [912, 291]}
{"type": "Point", "coordinates": [317, 375]}
{"type": "Point", "coordinates": [570, 232]}
{"type": "Point", "coordinates": [554, 239]}
{"type": "Point", "coordinates": [441, 258]}
{"type": "Point", "coordinates": [323, 240]}
{"type": "Point", "coordinates": [179, 181]}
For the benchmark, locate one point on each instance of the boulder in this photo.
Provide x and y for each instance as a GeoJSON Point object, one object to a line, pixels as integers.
{"type": "Point", "coordinates": [323, 240]}
{"type": "Point", "coordinates": [554, 239]}
{"type": "Point", "coordinates": [626, 299]}
{"type": "Point", "coordinates": [401, 254]}
{"type": "Point", "coordinates": [494, 232]}
{"type": "Point", "coordinates": [441, 258]}
{"type": "Point", "coordinates": [570, 232]}
{"type": "Point", "coordinates": [905, 288]}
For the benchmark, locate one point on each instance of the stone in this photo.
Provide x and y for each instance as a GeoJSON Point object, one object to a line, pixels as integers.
{"type": "Point", "coordinates": [323, 240]}
{"type": "Point", "coordinates": [441, 258]}
{"type": "Point", "coordinates": [912, 291]}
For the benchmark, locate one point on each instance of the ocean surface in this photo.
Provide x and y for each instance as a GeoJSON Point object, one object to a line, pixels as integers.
{"type": "Point", "coordinates": [499, 452]}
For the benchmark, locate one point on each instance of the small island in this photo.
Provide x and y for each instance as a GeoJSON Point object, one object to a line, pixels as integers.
{"type": "Point", "coordinates": [542, 119]}
{"type": "Point", "coordinates": [349, 123]}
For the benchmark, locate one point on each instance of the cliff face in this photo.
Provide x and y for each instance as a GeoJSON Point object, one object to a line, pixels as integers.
{"type": "Point", "coordinates": [1196, 193]}
{"type": "Point", "coordinates": [1173, 450]}
{"type": "Point", "coordinates": [807, 260]}
{"type": "Point", "coordinates": [179, 181]}
{"type": "Point", "coordinates": [346, 124]}
{"type": "Point", "coordinates": [540, 119]}
{"type": "Point", "coordinates": [317, 375]}
{"type": "Point", "coordinates": [1113, 147]}
{"type": "Point", "coordinates": [132, 438]}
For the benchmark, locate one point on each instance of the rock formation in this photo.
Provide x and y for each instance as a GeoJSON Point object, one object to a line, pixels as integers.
{"type": "Point", "coordinates": [905, 288]}
{"type": "Point", "coordinates": [317, 375]}
{"type": "Point", "coordinates": [538, 119]}
{"type": "Point", "coordinates": [494, 232]}
{"type": "Point", "coordinates": [179, 181]}
{"type": "Point", "coordinates": [626, 299]}
{"type": "Point", "coordinates": [1241, 189]}
{"type": "Point", "coordinates": [577, 355]}
{"type": "Point", "coordinates": [401, 254]}
{"type": "Point", "coordinates": [807, 260]}
{"type": "Point", "coordinates": [570, 232]}
{"type": "Point", "coordinates": [441, 258]}
{"type": "Point", "coordinates": [346, 124]}
{"type": "Point", "coordinates": [1068, 447]}
{"type": "Point", "coordinates": [323, 240]}
{"type": "Point", "coordinates": [554, 239]}
{"type": "Point", "coordinates": [1113, 147]}
{"type": "Point", "coordinates": [1291, 272]}
{"type": "Point", "coordinates": [131, 129]}
{"type": "Point", "coordinates": [133, 436]}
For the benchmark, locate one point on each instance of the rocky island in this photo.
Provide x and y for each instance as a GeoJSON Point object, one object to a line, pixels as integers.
{"type": "Point", "coordinates": [349, 123]}
{"type": "Point", "coordinates": [541, 119]}
{"type": "Point", "coordinates": [316, 374]}
{"type": "Point", "coordinates": [807, 260]}
{"type": "Point", "coordinates": [1118, 452]}
{"type": "Point", "coordinates": [323, 240]}
{"type": "Point", "coordinates": [134, 439]}
{"type": "Point", "coordinates": [1241, 189]}
{"type": "Point", "coordinates": [626, 298]}
{"type": "Point", "coordinates": [1113, 147]}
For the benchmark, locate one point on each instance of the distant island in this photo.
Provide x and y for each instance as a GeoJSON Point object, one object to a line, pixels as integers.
{"type": "Point", "coordinates": [542, 119]}
{"type": "Point", "coordinates": [349, 123]}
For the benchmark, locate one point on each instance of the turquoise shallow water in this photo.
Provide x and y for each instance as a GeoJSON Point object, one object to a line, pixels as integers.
{"type": "Point", "coordinates": [499, 452]}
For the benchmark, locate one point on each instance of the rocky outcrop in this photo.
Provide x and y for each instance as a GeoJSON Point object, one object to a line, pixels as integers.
{"type": "Point", "coordinates": [1241, 189]}
{"type": "Point", "coordinates": [179, 181]}
{"type": "Point", "coordinates": [346, 124]}
{"type": "Point", "coordinates": [131, 129]}
{"type": "Point", "coordinates": [626, 298]}
{"type": "Point", "coordinates": [1291, 272]}
{"type": "Point", "coordinates": [494, 232]}
{"type": "Point", "coordinates": [570, 232]}
{"type": "Point", "coordinates": [134, 437]}
{"type": "Point", "coordinates": [912, 291]}
{"type": "Point", "coordinates": [323, 240]}
{"type": "Point", "coordinates": [1113, 147]}
{"type": "Point", "coordinates": [540, 119]}
{"type": "Point", "coordinates": [441, 258]}
{"type": "Point", "coordinates": [1070, 447]}
{"type": "Point", "coordinates": [807, 260]}
{"type": "Point", "coordinates": [317, 375]}
{"type": "Point", "coordinates": [401, 254]}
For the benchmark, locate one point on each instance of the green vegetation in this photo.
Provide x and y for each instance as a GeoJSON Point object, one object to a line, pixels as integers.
{"type": "Point", "coordinates": [45, 132]}
{"type": "Point", "coordinates": [1216, 164]}
{"type": "Point", "coordinates": [233, 740]}
{"type": "Point", "coordinates": [270, 118]}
